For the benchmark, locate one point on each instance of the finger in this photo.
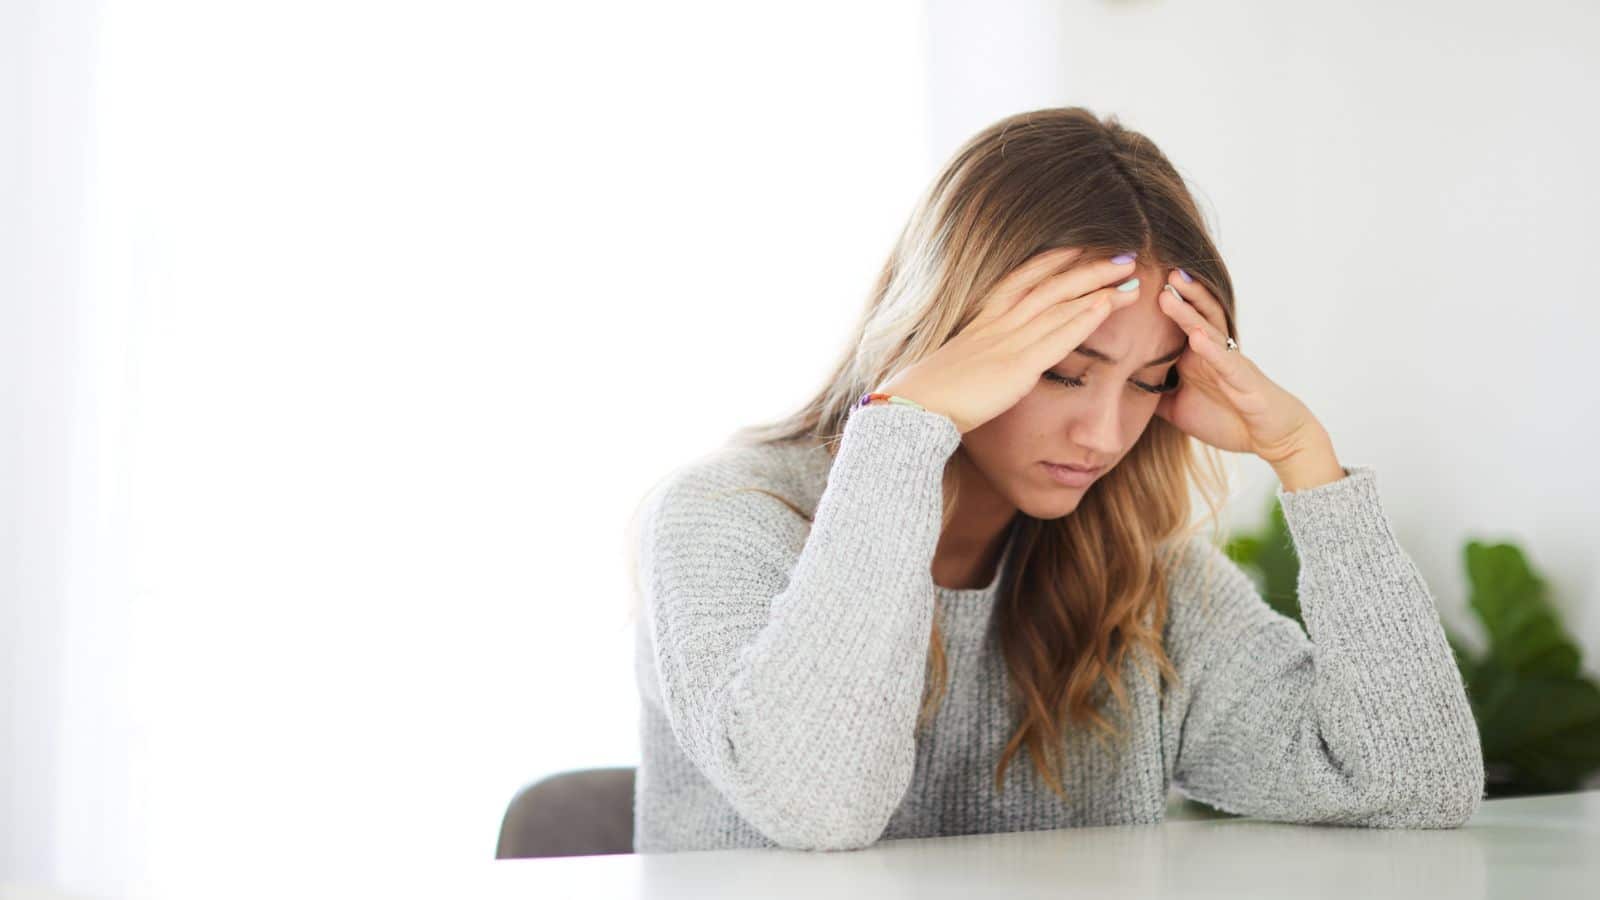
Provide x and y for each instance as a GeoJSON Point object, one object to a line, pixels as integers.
{"type": "Point", "coordinates": [1233, 370]}
{"type": "Point", "coordinates": [1074, 283]}
{"type": "Point", "coordinates": [1059, 330]}
{"type": "Point", "coordinates": [1106, 300]}
{"type": "Point", "coordinates": [1173, 304]}
{"type": "Point", "coordinates": [1201, 299]}
{"type": "Point", "coordinates": [1004, 295]}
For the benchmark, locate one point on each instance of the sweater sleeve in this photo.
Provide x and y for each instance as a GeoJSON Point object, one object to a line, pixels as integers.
{"type": "Point", "coordinates": [1363, 722]}
{"type": "Point", "coordinates": [791, 662]}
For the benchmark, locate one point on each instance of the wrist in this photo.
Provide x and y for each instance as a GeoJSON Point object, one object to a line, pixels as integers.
{"type": "Point", "coordinates": [883, 397]}
{"type": "Point", "coordinates": [1313, 466]}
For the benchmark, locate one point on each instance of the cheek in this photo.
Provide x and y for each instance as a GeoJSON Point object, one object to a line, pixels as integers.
{"type": "Point", "coordinates": [1039, 412]}
{"type": "Point", "coordinates": [1139, 419]}
{"type": "Point", "coordinates": [1031, 429]}
{"type": "Point", "coordinates": [1136, 421]}
{"type": "Point", "coordinates": [1008, 437]}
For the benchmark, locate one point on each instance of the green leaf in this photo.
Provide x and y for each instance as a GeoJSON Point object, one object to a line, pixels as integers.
{"type": "Point", "coordinates": [1270, 557]}
{"type": "Point", "coordinates": [1538, 716]}
{"type": "Point", "coordinates": [1279, 564]}
{"type": "Point", "coordinates": [1244, 549]}
{"type": "Point", "coordinates": [1525, 635]}
{"type": "Point", "coordinates": [1547, 730]}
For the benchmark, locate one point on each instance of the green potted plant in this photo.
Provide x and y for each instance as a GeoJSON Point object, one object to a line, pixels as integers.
{"type": "Point", "coordinates": [1538, 715]}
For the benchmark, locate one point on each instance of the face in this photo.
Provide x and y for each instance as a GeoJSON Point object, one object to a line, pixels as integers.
{"type": "Point", "coordinates": [1096, 423]}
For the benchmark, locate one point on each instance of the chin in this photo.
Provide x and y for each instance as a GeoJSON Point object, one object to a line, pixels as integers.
{"type": "Point", "coordinates": [1052, 504]}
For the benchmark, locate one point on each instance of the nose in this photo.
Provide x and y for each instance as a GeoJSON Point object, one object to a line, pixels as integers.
{"type": "Point", "coordinates": [1097, 427]}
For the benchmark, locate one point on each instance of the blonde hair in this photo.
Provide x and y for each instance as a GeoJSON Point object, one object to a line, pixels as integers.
{"type": "Point", "coordinates": [1077, 590]}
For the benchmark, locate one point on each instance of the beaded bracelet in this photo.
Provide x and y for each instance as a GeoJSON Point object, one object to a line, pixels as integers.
{"type": "Point", "coordinates": [871, 397]}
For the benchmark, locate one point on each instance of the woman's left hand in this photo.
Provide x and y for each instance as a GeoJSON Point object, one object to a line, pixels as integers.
{"type": "Point", "coordinates": [1222, 398]}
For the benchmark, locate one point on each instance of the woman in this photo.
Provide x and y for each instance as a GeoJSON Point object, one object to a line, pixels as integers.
{"type": "Point", "coordinates": [859, 618]}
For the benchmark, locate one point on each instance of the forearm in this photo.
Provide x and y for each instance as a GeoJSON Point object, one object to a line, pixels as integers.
{"type": "Point", "coordinates": [794, 682]}
{"type": "Point", "coordinates": [1373, 619]}
{"type": "Point", "coordinates": [1361, 718]}
{"type": "Point", "coordinates": [1313, 466]}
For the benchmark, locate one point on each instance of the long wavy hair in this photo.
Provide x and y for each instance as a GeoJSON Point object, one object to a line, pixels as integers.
{"type": "Point", "coordinates": [1081, 592]}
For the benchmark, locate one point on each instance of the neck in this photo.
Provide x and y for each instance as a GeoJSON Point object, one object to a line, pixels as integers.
{"type": "Point", "coordinates": [970, 546]}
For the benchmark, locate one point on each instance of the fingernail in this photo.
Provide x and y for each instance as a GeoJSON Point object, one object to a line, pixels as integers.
{"type": "Point", "coordinates": [1185, 275]}
{"type": "Point", "coordinates": [1128, 285]}
{"type": "Point", "coordinates": [1124, 259]}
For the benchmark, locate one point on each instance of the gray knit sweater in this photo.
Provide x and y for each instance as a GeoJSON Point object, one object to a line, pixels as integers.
{"type": "Point", "coordinates": [781, 668]}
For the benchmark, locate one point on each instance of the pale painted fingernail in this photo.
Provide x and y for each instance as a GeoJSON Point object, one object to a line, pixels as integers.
{"type": "Point", "coordinates": [1124, 259]}
{"type": "Point", "coordinates": [1185, 275]}
{"type": "Point", "coordinates": [1128, 285]}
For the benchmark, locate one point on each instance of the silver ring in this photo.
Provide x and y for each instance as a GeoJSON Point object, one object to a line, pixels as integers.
{"type": "Point", "coordinates": [1232, 345]}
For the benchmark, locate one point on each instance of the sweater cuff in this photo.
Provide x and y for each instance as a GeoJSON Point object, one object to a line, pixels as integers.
{"type": "Point", "coordinates": [1340, 522]}
{"type": "Point", "coordinates": [1360, 593]}
{"type": "Point", "coordinates": [909, 437]}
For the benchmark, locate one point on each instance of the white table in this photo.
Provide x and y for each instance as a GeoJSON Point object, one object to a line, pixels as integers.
{"type": "Point", "coordinates": [1523, 847]}
{"type": "Point", "coordinates": [1547, 846]}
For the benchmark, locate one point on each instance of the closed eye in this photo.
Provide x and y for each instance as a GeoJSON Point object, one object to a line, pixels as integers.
{"type": "Point", "coordinates": [1170, 385]}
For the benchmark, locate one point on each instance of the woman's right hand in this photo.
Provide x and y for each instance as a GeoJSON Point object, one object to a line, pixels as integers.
{"type": "Point", "coordinates": [1030, 321]}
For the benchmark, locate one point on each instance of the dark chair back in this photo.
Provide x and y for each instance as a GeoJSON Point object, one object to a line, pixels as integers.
{"type": "Point", "coordinates": [586, 812]}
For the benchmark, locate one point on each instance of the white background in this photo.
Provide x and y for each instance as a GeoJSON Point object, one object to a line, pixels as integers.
{"type": "Point", "coordinates": [338, 341]}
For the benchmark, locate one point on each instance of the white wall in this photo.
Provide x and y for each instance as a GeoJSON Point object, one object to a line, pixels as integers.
{"type": "Point", "coordinates": [339, 339]}
{"type": "Point", "coordinates": [53, 714]}
{"type": "Point", "coordinates": [343, 338]}
{"type": "Point", "coordinates": [1405, 196]}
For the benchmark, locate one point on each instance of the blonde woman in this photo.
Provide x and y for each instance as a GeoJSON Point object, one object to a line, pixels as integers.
{"type": "Point", "coordinates": [859, 621]}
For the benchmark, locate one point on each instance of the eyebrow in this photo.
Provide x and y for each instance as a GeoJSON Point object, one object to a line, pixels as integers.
{"type": "Point", "coordinates": [1169, 357]}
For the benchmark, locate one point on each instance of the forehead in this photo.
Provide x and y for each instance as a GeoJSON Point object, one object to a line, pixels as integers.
{"type": "Point", "coordinates": [1140, 331]}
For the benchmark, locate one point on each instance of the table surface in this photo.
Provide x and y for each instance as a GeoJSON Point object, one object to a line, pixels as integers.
{"type": "Point", "coordinates": [1545, 846]}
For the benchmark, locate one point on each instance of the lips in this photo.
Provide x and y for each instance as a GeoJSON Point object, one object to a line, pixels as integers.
{"type": "Point", "coordinates": [1076, 467]}
{"type": "Point", "coordinates": [1068, 476]}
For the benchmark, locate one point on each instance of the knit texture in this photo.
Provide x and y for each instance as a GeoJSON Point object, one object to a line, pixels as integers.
{"type": "Point", "coordinates": [781, 667]}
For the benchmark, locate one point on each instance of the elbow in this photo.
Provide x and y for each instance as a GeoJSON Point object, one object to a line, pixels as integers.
{"type": "Point", "coordinates": [1459, 781]}
{"type": "Point", "coordinates": [848, 811]}
{"type": "Point", "coordinates": [1461, 812]}
{"type": "Point", "coordinates": [1456, 807]}
{"type": "Point", "coordinates": [831, 791]}
{"type": "Point", "coordinates": [832, 810]}
{"type": "Point", "coordinates": [847, 829]}
{"type": "Point", "coordinates": [1438, 784]}
{"type": "Point", "coordinates": [1435, 797]}
{"type": "Point", "coordinates": [1446, 810]}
